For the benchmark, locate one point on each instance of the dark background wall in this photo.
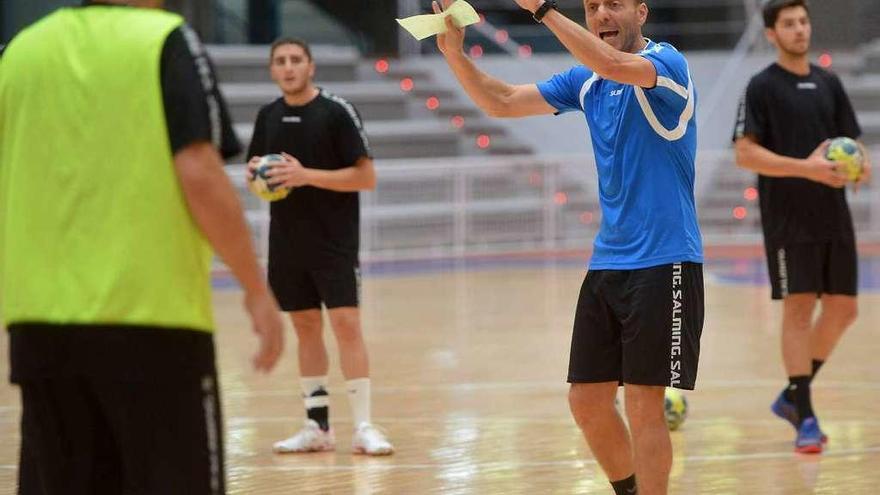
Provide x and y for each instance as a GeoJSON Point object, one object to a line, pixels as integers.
{"type": "Point", "coordinates": [844, 23]}
{"type": "Point", "coordinates": [837, 23]}
{"type": "Point", "coordinates": [16, 14]}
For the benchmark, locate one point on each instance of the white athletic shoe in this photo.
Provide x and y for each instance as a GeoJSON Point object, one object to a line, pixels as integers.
{"type": "Point", "coordinates": [369, 440]}
{"type": "Point", "coordinates": [311, 438]}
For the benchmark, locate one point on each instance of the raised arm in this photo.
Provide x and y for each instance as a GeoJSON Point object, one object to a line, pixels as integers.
{"type": "Point", "coordinates": [495, 97]}
{"type": "Point", "coordinates": [590, 50]}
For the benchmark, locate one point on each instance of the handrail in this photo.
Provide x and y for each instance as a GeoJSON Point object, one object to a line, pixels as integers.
{"type": "Point", "coordinates": [726, 76]}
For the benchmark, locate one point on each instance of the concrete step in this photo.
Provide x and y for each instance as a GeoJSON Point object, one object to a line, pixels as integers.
{"type": "Point", "coordinates": [396, 139]}
{"type": "Point", "coordinates": [250, 63]}
{"type": "Point", "coordinates": [507, 145]}
{"type": "Point", "coordinates": [453, 108]}
{"type": "Point", "coordinates": [726, 199]}
{"type": "Point", "coordinates": [864, 92]}
{"type": "Point", "coordinates": [428, 89]}
{"type": "Point", "coordinates": [871, 54]}
{"type": "Point", "coordinates": [307, 21]}
{"type": "Point", "coordinates": [870, 123]}
{"type": "Point", "coordinates": [374, 100]}
{"type": "Point", "coordinates": [398, 72]}
{"type": "Point", "coordinates": [477, 126]}
{"type": "Point", "coordinates": [734, 180]}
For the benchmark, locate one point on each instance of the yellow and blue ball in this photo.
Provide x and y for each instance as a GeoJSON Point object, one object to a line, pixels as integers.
{"type": "Point", "coordinates": [846, 153]}
{"type": "Point", "coordinates": [258, 178]}
{"type": "Point", "coordinates": [675, 408]}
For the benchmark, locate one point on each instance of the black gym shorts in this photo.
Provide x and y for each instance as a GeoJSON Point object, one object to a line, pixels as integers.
{"type": "Point", "coordinates": [640, 327]}
{"type": "Point", "coordinates": [816, 268]}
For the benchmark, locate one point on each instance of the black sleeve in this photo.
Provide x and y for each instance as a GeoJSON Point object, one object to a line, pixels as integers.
{"type": "Point", "coordinates": [258, 138]}
{"type": "Point", "coordinates": [844, 115]}
{"type": "Point", "coordinates": [751, 118]}
{"type": "Point", "coordinates": [194, 108]}
{"type": "Point", "coordinates": [350, 138]}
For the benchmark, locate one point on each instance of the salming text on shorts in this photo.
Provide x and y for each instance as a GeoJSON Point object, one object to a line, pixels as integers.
{"type": "Point", "coordinates": [640, 327]}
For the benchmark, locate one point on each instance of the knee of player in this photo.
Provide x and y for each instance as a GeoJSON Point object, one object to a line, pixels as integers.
{"type": "Point", "coordinates": [645, 415]}
{"type": "Point", "coordinates": [347, 329]}
{"type": "Point", "coordinates": [586, 405]}
{"type": "Point", "coordinates": [845, 313]}
{"type": "Point", "coordinates": [644, 404]}
{"type": "Point", "coordinates": [307, 325]}
{"type": "Point", "coordinates": [797, 314]}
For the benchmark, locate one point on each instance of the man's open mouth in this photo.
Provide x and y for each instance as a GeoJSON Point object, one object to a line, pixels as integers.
{"type": "Point", "coordinates": [605, 35]}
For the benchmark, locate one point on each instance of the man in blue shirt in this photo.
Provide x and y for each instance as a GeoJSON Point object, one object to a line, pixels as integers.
{"type": "Point", "coordinates": [640, 312]}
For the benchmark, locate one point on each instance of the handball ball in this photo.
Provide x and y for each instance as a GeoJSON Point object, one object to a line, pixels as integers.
{"type": "Point", "coordinates": [259, 177]}
{"type": "Point", "coordinates": [676, 408]}
{"type": "Point", "coordinates": [846, 153]}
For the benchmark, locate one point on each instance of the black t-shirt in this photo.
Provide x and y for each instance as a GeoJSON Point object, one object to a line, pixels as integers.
{"type": "Point", "coordinates": [194, 108]}
{"type": "Point", "coordinates": [312, 227]}
{"type": "Point", "coordinates": [791, 115]}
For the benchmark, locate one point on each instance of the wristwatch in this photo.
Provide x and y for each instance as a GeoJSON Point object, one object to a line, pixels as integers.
{"type": "Point", "coordinates": [543, 9]}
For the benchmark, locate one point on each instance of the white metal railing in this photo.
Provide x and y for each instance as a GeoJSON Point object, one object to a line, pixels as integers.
{"type": "Point", "coordinates": [464, 206]}
{"type": "Point", "coordinates": [457, 207]}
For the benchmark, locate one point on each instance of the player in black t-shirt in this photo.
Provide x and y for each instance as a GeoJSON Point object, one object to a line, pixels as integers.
{"type": "Point", "coordinates": [117, 406]}
{"type": "Point", "coordinates": [789, 112]}
{"type": "Point", "coordinates": [313, 238]}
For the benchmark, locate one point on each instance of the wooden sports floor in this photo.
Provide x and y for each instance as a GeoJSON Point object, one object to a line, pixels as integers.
{"type": "Point", "coordinates": [469, 373]}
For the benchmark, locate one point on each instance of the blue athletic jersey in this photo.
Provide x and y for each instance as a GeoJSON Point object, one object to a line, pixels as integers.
{"type": "Point", "coordinates": [645, 141]}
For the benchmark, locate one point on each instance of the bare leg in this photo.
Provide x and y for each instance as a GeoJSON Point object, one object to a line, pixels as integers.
{"type": "Point", "coordinates": [797, 321]}
{"type": "Point", "coordinates": [592, 405]}
{"type": "Point", "coordinates": [311, 349]}
{"type": "Point", "coordinates": [651, 444]}
{"type": "Point", "coordinates": [346, 323]}
{"type": "Point", "coordinates": [838, 313]}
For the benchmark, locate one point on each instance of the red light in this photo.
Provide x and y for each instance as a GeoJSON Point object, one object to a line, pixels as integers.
{"type": "Point", "coordinates": [750, 194]}
{"type": "Point", "coordinates": [535, 179]}
{"type": "Point", "coordinates": [502, 36]}
{"type": "Point", "coordinates": [433, 103]}
{"type": "Point", "coordinates": [587, 217]}
{"type": "Point", "coordinates": [476, 51]}
{"type": "Point", "coordinates": [483, 141]}
{"type": "Point", "coordinates": [740, 213]}
{"type": "Point", "coordinates": [525, 51]}
{"type": "Point", "coordinates": [382, 66]}
{"type": "Point", "coordinates": [457, 121]}
{"type": "Point", "coordinates": [560, 198]}
{"type": "Point", "coordinates": [825, 60]}
{"type": "Point", "coordinates": [407, 84]}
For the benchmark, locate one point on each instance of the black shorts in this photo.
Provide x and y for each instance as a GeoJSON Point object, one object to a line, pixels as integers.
{"type": "Point", "coordinates": [299, 289]}
{"type": "Point", "coordinates": [829, 267]}
{"type": "Point", "coordinates": [90, 425]}
{"type": "Point", "coordinates": [640, 327]}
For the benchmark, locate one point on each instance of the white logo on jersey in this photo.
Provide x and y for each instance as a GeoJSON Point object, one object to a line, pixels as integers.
{"type": "Point", "coordinates": [291, 119]}
{"type": "Point", "coordinates": [617, 92]}
{"type": "Point", "coordinates": [807, 85]}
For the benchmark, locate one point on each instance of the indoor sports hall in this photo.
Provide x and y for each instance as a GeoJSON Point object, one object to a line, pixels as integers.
{"type": "Point", "coordinates": [476, 240]}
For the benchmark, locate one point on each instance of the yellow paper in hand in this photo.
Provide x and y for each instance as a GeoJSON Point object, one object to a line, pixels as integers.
{"type": "Point", "coordinates": [422, 26]}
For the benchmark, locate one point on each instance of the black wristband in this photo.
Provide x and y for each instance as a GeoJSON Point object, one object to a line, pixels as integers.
{"type": "Point", "coordinates": [539, 14]}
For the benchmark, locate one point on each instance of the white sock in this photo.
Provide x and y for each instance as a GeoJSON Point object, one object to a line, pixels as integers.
{"type": "Point", "coordinates": [311, 384]}
{"type": "Point", "coordinates": [359, 399]}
